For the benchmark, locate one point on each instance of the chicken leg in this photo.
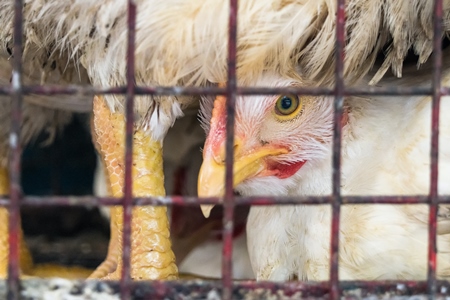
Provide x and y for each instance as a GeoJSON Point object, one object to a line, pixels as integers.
{"type": "Point", "coordinates": [26, 262]}
{"type": "Point", "coordinates": [27, 267]}
{"type": "Point", "coordinates": [151, 253]}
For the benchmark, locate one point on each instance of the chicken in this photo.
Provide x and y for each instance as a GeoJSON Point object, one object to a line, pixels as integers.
{"type": "Point", "coordinates": [283, 147]}
{"type": "Point", "coordinates": [183, 42]}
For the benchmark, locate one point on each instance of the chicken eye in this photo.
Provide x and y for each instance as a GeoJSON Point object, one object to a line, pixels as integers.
{"type": "Point", "coordinates": [287, 106]}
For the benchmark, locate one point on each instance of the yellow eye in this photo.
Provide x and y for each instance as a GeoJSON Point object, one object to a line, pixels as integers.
{"type": "Point", "coordinates": [288, 106]}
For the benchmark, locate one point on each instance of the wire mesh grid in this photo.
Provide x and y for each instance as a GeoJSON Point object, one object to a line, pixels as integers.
{"type": "Point", "coordinates": [229, 289]}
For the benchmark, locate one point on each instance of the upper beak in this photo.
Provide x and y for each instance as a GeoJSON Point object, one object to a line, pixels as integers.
{"type": "Point", "coordinates": [211, 179]}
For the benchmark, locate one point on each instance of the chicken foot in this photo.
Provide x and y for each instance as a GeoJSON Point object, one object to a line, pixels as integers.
{"type": "Point", "coordinates": [151, 251]}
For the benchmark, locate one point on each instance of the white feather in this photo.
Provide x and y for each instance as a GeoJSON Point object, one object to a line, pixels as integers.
{"type": "Point", "coordinates": [183, 42]}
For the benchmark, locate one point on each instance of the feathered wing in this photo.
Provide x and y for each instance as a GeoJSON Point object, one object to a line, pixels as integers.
{"type": "Point", "coordinates": [185, 41]}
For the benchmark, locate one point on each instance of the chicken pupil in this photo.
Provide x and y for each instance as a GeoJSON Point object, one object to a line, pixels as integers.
{"type": "Point", "coordinates": [286, 102]}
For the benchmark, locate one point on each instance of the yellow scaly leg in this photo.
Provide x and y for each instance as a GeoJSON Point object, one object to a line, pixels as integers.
{"type": "Point", "coordinates": [26, 262]}
{"type": "Point", "coordinates": [3, 226]}
{"type": "Point", "coordinates": [151, 253]}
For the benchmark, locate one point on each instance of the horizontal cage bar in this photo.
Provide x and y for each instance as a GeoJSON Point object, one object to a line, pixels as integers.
{"type": "Point", "coordinates": [239, 200]}
{"type": "Point", "coordinates": [195, 91]}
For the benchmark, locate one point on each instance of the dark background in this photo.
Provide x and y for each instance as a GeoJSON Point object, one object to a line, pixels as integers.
{"type": "Point", "coordinates": [63, 235]}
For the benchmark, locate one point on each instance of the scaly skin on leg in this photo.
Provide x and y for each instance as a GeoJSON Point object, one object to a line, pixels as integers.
{"type": "Point", "coordinates": [3, 226]}
{"type": "Point", "coordinates": [151, 253]}
{"type": "Point", "coordinates": [26, 262]}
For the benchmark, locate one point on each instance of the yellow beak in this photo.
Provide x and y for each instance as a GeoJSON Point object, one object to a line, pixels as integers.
{"type": "Point", "coordinates": [211, 179]}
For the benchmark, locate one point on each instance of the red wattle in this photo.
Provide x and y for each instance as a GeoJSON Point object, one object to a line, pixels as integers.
{"type": "Point", "coordinates": [284, 170]}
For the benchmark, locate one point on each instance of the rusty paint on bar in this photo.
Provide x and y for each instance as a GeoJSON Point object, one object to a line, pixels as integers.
{"type": "Point", "coordinates": [125, 280]}
{"type": "Point", "coordinates": [180, 90]}
{"type": "Point", "coordinates": [337, 137]}
{"type": "Point", "coordinates": [194, 91]}
{"type": "Point", "coordinates": [91, 201]}
{"type": "Point", "coordinates": [436, 85]}
{"type": "Point", "coordinates": [228, 205]}
{"type": "Point", "coordinates": [15, 156]}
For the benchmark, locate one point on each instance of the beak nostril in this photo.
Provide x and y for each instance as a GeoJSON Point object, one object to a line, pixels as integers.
{"type": "Point", "coordinates": [220, 159]}
{"type": "Point", "coordinates": [219, 153]}
{"type": "Point", "coordinates": [237, 146]}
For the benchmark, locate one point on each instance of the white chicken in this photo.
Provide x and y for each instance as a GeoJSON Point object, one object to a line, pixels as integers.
{"type": "Point", "coordinates": [283, 147]}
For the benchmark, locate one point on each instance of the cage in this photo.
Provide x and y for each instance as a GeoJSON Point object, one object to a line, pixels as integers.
{"type": "Point", "coordinates": [225, 288]}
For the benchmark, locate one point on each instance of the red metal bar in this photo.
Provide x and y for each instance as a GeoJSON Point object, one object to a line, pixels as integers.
{"type": "Point", "coordinates": [238, 200]}
{"type": "Point", "coordinates": [436, 84]}
{"type": "Point", "coordinates": [195, 91]}
{"type": "Point", "coordinates": [337, 137]}
{"type": "Point", "coordinates": [15, 157]}
{"type": "Point", "coordinates": [125, 280]}
{"type": "Point", "coordinates": [228, 205]}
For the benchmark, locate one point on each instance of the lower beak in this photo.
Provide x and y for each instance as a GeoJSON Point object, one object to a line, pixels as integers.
{"type": "Point", "coordinates": [211, 179]}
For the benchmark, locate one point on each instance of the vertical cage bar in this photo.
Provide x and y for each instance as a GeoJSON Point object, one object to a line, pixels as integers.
{"type": "Point", "coordinates": [434, 155]}
{"type": "Point", "coordinates": [337, 129]}
{"type": "Point", "coordinates": [228, 208]}
{"type": "Point", "coordinates": [15, 156]}
{"type": "Point", "coordinates": [125, 281]}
